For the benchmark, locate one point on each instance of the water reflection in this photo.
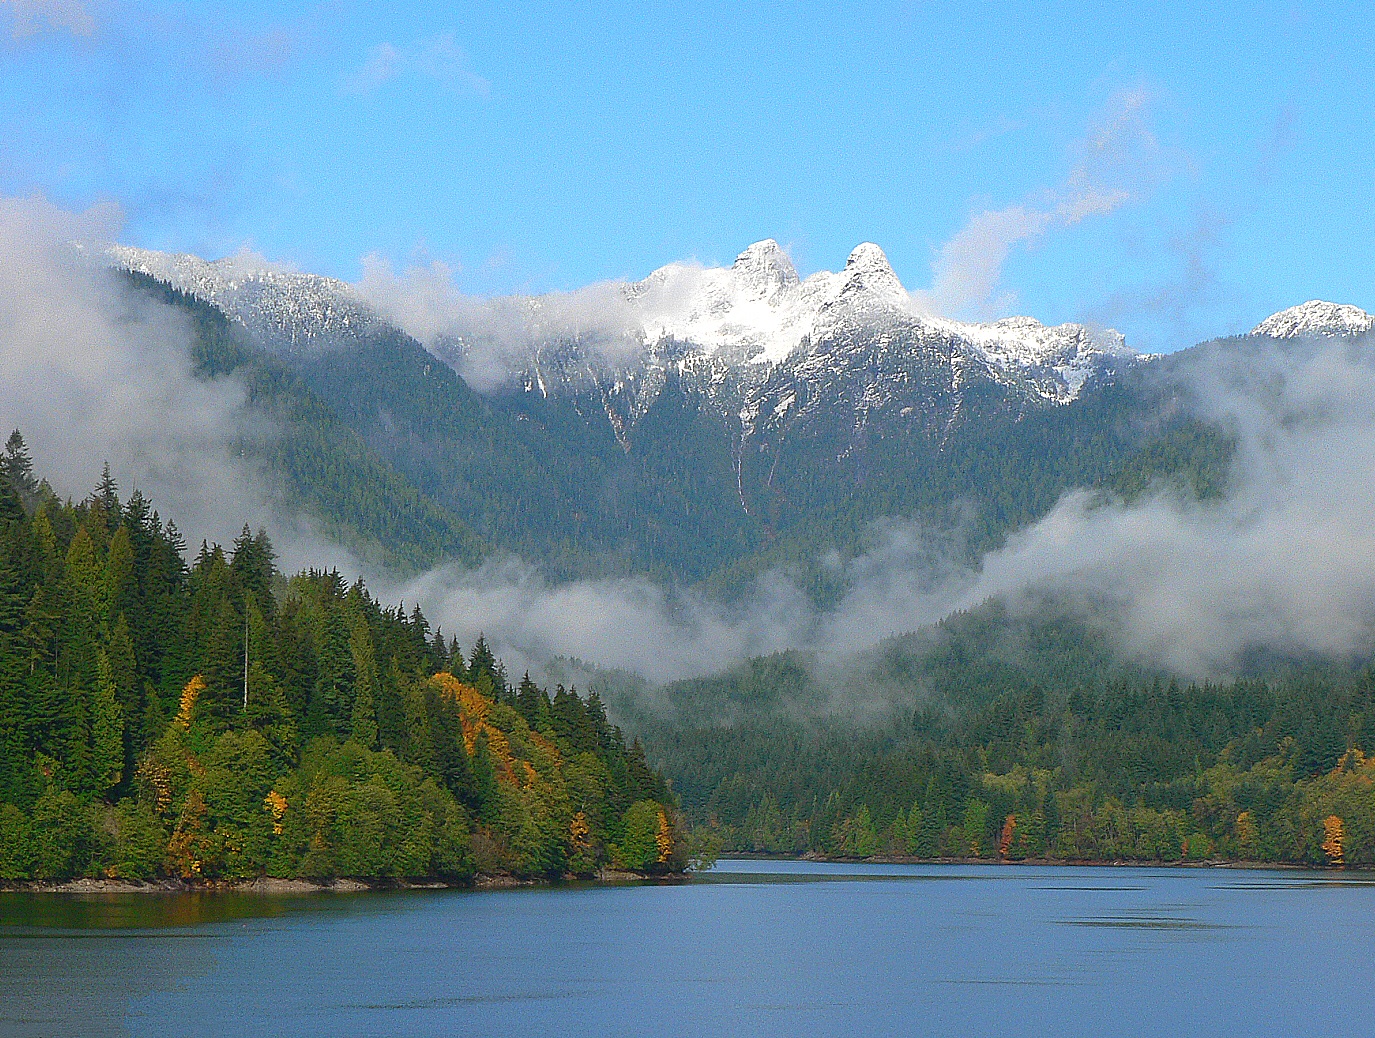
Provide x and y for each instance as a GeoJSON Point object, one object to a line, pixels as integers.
{"type": "Point", "coordinates": [141, 911]}
{"type": "Point", "coordinates": [752, 948]}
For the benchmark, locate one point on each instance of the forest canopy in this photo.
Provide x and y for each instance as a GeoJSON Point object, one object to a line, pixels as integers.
{"type": "Point", "coordinates": [216, 719]}
{"type": "Point", "coordinates": [1021, 738]}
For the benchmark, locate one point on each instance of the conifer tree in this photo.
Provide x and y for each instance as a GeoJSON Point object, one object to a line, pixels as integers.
{"type": "Point", "coordinates": [365, 686]}
{"type": "Point", "coordinates": [251, 567]}
{"type": "Point", "coordinates": [107, 733]}
{"type": "Point", "coordinates": [482, 661]}
{"type": "Point", "coordinates": [106, 496]}
{"type": "Point", "coordinates": [484, 776]}
{"type": "Point", "coordinates": [18, 467]}
{"type": "Point", "coordinates": [419, 740]}
{"type": "Point", "coordinates": [120, 588]}
{"type": "Point", "coordinates": [122, 674]}
{"type": "Point", "coordinates": [11, 507]}
{"type": "Point", "coordinates": [86, 578]}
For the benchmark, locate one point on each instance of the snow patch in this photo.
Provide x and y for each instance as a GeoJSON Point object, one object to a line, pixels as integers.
{"type": "Point", "coordinates": [745, 319]}
{"type": "Point", "coordinates": [1316, 317]}
{"type": "Point", "coordinates": [288, 308]}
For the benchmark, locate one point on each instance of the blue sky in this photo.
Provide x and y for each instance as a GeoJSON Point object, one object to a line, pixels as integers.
{"type": "Point", "coordinates": [1175, 170]}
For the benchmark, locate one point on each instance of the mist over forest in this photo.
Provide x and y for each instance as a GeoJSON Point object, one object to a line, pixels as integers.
{"type": "Point", "coordinates": [824, 633]}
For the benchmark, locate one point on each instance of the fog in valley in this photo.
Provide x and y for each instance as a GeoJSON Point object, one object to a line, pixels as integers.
{"type": "Point", "coordinates": [1286, 561]}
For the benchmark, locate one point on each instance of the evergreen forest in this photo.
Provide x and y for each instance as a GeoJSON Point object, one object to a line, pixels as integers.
{"type": "Point", "coordinates": [1002, 737]}
{"type": "Point", "coordinates": [205, 717]}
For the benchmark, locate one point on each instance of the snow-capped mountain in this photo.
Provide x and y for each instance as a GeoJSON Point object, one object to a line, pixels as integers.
{"type": "Point", "coordinates": [748, 319]}
{"type": "Point", "coordinates": [1316, 317]}
{"type": "Point", "coordinates": [760, 311]}
{"type": "Point", "coordinates": [287, 309]}
{"type": "Point", "coordinates": [695, 418]}
{"type": "Point", "coordinates": [759, 307]}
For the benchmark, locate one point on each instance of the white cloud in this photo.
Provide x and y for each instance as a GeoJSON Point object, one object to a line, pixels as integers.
{"type": "Point", "coordinates": [1117, 156]}
{"type": "Point", "coordinates": [95, 371]}
{"type": "Point", "coordinates": [439, 60]}
{"type": "Point", "coordinates": [382, 65]}
{"type": "Point", "coordinates": [34, 16]}
{"type": "Point", "coordinates": [486, 339]}
{"type": "Point", "coordinates": [1285, 562]}
{"type": "Point", "coordinates": [444, 61]}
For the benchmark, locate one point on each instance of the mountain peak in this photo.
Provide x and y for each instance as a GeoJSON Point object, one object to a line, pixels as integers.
{"type": "Point", "coordinates": [866, 256]}
{"type": "Point", "coordinates": [764, 269]}
{"type": "Point", "coordinates": [1316, 317]}
{"type": "Point", "coordinates": [868, 273]}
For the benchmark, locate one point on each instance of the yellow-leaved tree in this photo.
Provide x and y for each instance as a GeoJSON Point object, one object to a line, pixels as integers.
{"type": "Point", "coordinates": [186, 710]}
{"type": "Point", "coordinates": [663, 839]}
{"type": "Point", "coordinates": [1332, 839]}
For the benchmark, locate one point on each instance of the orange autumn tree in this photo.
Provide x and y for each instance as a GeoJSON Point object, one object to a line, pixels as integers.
{"type": "Point", "coordinates": [275, 804]}
{"type": "Point", "coordinates": [579, 831]}
{"type": "Point", "coordinates": [473, 711]}
{"type": "Point", "coordinates": [187, 707]}
{"type": "Point", "coordinates": [1005, 838]}
{"type": "Point", "coordinates": [1332, 841]}
{"type": "Point", "coordinates": [663, 839]}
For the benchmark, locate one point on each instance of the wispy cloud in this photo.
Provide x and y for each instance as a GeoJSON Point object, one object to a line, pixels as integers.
{"type": "Point", "coordinates": [32, 17]}
{"type": "Point", "coordinates": [1116, 161]}
{"type": "Point", "coordinates": [1285, 562]}
{"type": "Point", "coordinates": [978, 136]}
{"type": "Point", "coordinates": [382, 66]}
{"type": "Point", "coordinates": [439, 60]}
{"type": "Point", "coordinates": [1174, 308]}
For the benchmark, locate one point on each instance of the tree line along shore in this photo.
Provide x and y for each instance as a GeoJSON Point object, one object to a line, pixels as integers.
{"type": "Point", "coordinates": [214, 721]}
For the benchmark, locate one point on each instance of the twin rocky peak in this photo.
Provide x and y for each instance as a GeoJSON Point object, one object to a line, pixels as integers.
{"type": "Point", "coordinates": [757, 313]}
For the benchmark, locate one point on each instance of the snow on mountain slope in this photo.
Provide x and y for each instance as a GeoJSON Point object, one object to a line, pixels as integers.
{"type": "Point", "coordinates": [762, 311]}
{"type": "Point", "coordinates": [760, 301]}
{"type": "Point", "coordinates": [740, 321]}
{"type": "Point", "coordinates": [1316, 317]}
{"type": "Point", "coordinates": [291, 310]}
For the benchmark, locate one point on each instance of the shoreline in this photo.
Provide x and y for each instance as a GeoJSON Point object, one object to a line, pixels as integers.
{"type": "Point", "coordinates": [273, 886]}
{"type": "Point", "coordinates": [1084, 863]}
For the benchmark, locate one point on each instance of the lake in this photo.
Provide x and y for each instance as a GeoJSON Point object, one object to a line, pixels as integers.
{"type": "Point", "coordinates": [751, 948]}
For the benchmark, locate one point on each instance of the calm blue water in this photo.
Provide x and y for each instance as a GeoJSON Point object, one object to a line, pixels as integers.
{"type": "Point", "coordinates": [754, 948]}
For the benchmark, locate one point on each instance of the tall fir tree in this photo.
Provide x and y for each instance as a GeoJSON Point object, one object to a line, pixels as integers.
{"type": "Point", "coordinates": [365, 686]}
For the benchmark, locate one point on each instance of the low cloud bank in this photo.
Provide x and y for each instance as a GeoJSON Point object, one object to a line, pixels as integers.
{"type": "Point", "coordinates": [1286, 562]}
{"type": "Point", "coordinates": [96, 372]}
{"type": "Point", "coordinates": [489, 340]}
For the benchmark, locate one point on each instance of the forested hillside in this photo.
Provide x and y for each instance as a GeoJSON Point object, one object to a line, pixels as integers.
{"type": "Point", "coordinates": [220, 720]}
{"type": "Point", "coordinates": [987, 735]}
{"type": "Point", "coordinates": [318, 464]}
{"type": "Point", "coordinates": [401, 460]}
{"type": "Point", "coordinates": [992, 736]}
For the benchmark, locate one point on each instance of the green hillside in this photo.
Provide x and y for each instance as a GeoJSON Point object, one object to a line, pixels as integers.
{"type": "Point", "coordinates": [223, 721]}
{"type": "Point", "coordinates": [319, 464]}
{"type": "Point", "coordinates": [928, 745]}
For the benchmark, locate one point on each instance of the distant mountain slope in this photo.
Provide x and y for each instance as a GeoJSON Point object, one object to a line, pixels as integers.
{"type": "Point", "coordinates": [723, 421]}
{"type": "Point", "coordinates": [320, 465]}
{"type": "Point", "coordinates": [1316, 317]}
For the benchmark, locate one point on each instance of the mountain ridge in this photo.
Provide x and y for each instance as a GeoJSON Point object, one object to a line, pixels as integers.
{"type": "Point", "coordinates": [692, 467]}
{"type": "Point", "coordinates": [756, 314]}
{"type": "Point", "coordinates": [1316, 317]}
